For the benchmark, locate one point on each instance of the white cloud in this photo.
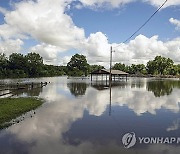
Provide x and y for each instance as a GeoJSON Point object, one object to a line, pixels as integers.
{"type": "Point", "coordinates": [9, 32]}
{"type": "Point", "coordinates": [175, 22]}
{"type": "Point", "coordinates": [66, 59]}
{"type": "Point", "coordinates": [96, 48]}
{"type": "Point", "coordinates": [117, 3]}
{"type": "Point", "coordinates": [157, 3]}
{"type": "Point", "coordinates": [100, 3]}
{"type": "Point", "coordinates": [44, 21]}
{"type": "Point", "coordinates": [139, 50]}
{"type": "Point", "coordinates": [48, 52]}
{"type": "Point", "coordinates": [3, 10]}
{"type": "Point", "coordinates": [48, 23]}
{"type": "Point", "coordinates": [175, 126]}
{"type": "Point", "coordinates": [9, 46]}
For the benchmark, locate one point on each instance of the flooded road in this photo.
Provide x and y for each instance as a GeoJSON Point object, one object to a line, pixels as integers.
{"type": "Point", "coordinates": [80, 117]}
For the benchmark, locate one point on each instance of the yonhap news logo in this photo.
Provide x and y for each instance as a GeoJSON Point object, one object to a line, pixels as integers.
{"type": "Point", "coordinates": [129, 140]}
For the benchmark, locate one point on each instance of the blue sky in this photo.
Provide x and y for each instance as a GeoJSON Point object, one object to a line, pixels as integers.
{"type": "Point", "coordinates": [120, 23]}
{"type": "Point", "coordinates": [60, 28]}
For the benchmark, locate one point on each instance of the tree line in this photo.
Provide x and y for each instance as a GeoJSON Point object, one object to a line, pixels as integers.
{"type": "Point", "coordinates": [31, 65]}
{"type": "Point", "coordinates": [18, 65]}
{"type": "Point", "coordinates": [159, 66]}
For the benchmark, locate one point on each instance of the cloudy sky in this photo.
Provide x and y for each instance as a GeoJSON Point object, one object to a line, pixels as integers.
{"type": "Point", "coordinates": [57, 29]}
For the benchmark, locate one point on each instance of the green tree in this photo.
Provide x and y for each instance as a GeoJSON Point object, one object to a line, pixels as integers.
{"type": "Point", "coordinates": [18, 65]}
{"type": "Point", "coordinates": [160, 65]}
{"type": "Point", "coordinates": [3, 60]}
{"type": "Point", "coordinates": [137, 69]}
{"type": "Point", "coordinates": [178, 66]}
{"type": "Point", "coordinates": [96, 67]}
{"type": "Point", "coordinates": [35, 64]}
{"type": "Point", "coordinates": [3, 65]}
{"type": "Point", "coordinates": [119, 66]}
{"type": "Point", "coordinates": [78, 66]}
{"type": "Point", "coordinates": [173, 70]}
{"type": "Point", "coordinates": [17, 61]}
{"type": "Point", "coordinates": [151, 67]}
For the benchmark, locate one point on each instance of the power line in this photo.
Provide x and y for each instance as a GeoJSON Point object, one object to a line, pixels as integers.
{"type": "Point", "coordinates": [144, 23]}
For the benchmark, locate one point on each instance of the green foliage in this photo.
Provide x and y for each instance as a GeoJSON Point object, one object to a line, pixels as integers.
{"type": "Point", "coordinates": [78, 66]}
{"type": "Point", "coordinates": [173, 70]}
{"type": "Point", "coordinates": [160, 65]}
{"type": "Point", "coordinates": [96, 67]}
{"type": "Point", "coordinates": [3, 61]}
{"type": "Point", "coordinates": [178, 68]}
{"type": "Point", "coordinates": [11, 108]}
{"type": "Point", "coordinates": [133, 69]}
{"type": "Point", "coordinates": [30, 65]}
{"type": "Point", "coordinates": [119, 66]}
{"type": "Point", "coordinates": [137, 69]}
{"type": "Point", "coordinates": [35, 64]}
{"type": "Point", "coordinates": [50, 70]}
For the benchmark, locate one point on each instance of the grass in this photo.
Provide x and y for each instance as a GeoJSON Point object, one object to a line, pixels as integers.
{"type": "Point", "coordinates": [11, 108]}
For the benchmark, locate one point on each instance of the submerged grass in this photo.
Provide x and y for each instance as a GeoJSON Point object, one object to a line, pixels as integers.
{"type": "Point", "coordinates": [11, 108]}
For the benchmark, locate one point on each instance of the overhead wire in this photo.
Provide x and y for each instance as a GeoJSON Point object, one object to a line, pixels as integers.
{"type": "Point", "coordinates": [143, 24]}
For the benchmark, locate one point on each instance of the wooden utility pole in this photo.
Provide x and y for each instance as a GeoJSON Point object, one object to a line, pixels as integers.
{"type": "Point", "coordinates": [110, 76]}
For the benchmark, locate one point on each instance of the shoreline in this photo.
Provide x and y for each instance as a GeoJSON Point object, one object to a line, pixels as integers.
{"type": "Point", "coordinates": [12, 108]}
{"type": "Point", "coordinates": [155, 76]}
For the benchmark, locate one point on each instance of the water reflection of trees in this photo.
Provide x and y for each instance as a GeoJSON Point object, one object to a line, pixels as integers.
{"type": "Point", "coordinates": [28, 92]}
{"type": "Point", "coordinates": [137, 84]}
{"type": "Point", "coordinates": [77, 89]}
{"type": "Point", "coordinates": [105, 85]}
{"type": "Point", "coordinates": [162, 87]}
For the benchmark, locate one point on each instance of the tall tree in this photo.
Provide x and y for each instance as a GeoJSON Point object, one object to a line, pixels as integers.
{"type": "Point", "coordinates": [3, 61]}
{"type": "Point", "coordinates": [35, 64]}
{"type": "Point", "coordinates": [17, 61]}
{"type": "Point", "coordinates": [160, 65]}
{"type": "Point", "coordinates": [78, 65]}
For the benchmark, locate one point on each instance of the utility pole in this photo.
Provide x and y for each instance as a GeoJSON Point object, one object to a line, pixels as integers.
{"type": "Point", "coordinates": [110, 80]}
{"type": "Point", "coordinates": [110, 76]}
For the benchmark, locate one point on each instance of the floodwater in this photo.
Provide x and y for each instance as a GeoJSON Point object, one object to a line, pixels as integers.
{"type": "Point", "coordinates": [83, 117]}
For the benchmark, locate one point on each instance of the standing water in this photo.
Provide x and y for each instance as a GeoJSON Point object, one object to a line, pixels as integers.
{"type": "Point", "coordinates": [82, 117]}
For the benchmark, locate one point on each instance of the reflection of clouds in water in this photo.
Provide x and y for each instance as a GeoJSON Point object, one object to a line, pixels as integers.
{"type": "Point", "coordinates": [112, 147]}
{"type": "Point", "coordinates": [175, 125]}
{"type": "Point", "coordinates": [96, 101]}
{"type": "Point", "coordinates": [143, 101]}
{"type": "Point", "coordinates": [56, 117]}
{"type": "Point", "coordinates": [162, 149]}
{"type": "Point", "coordinates": [51, 120]}
{"type": "Point", "coordinates": [138, 100]}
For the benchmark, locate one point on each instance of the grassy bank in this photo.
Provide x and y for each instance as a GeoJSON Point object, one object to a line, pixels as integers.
{"type": "Point", "coordinates": [11, 108]}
